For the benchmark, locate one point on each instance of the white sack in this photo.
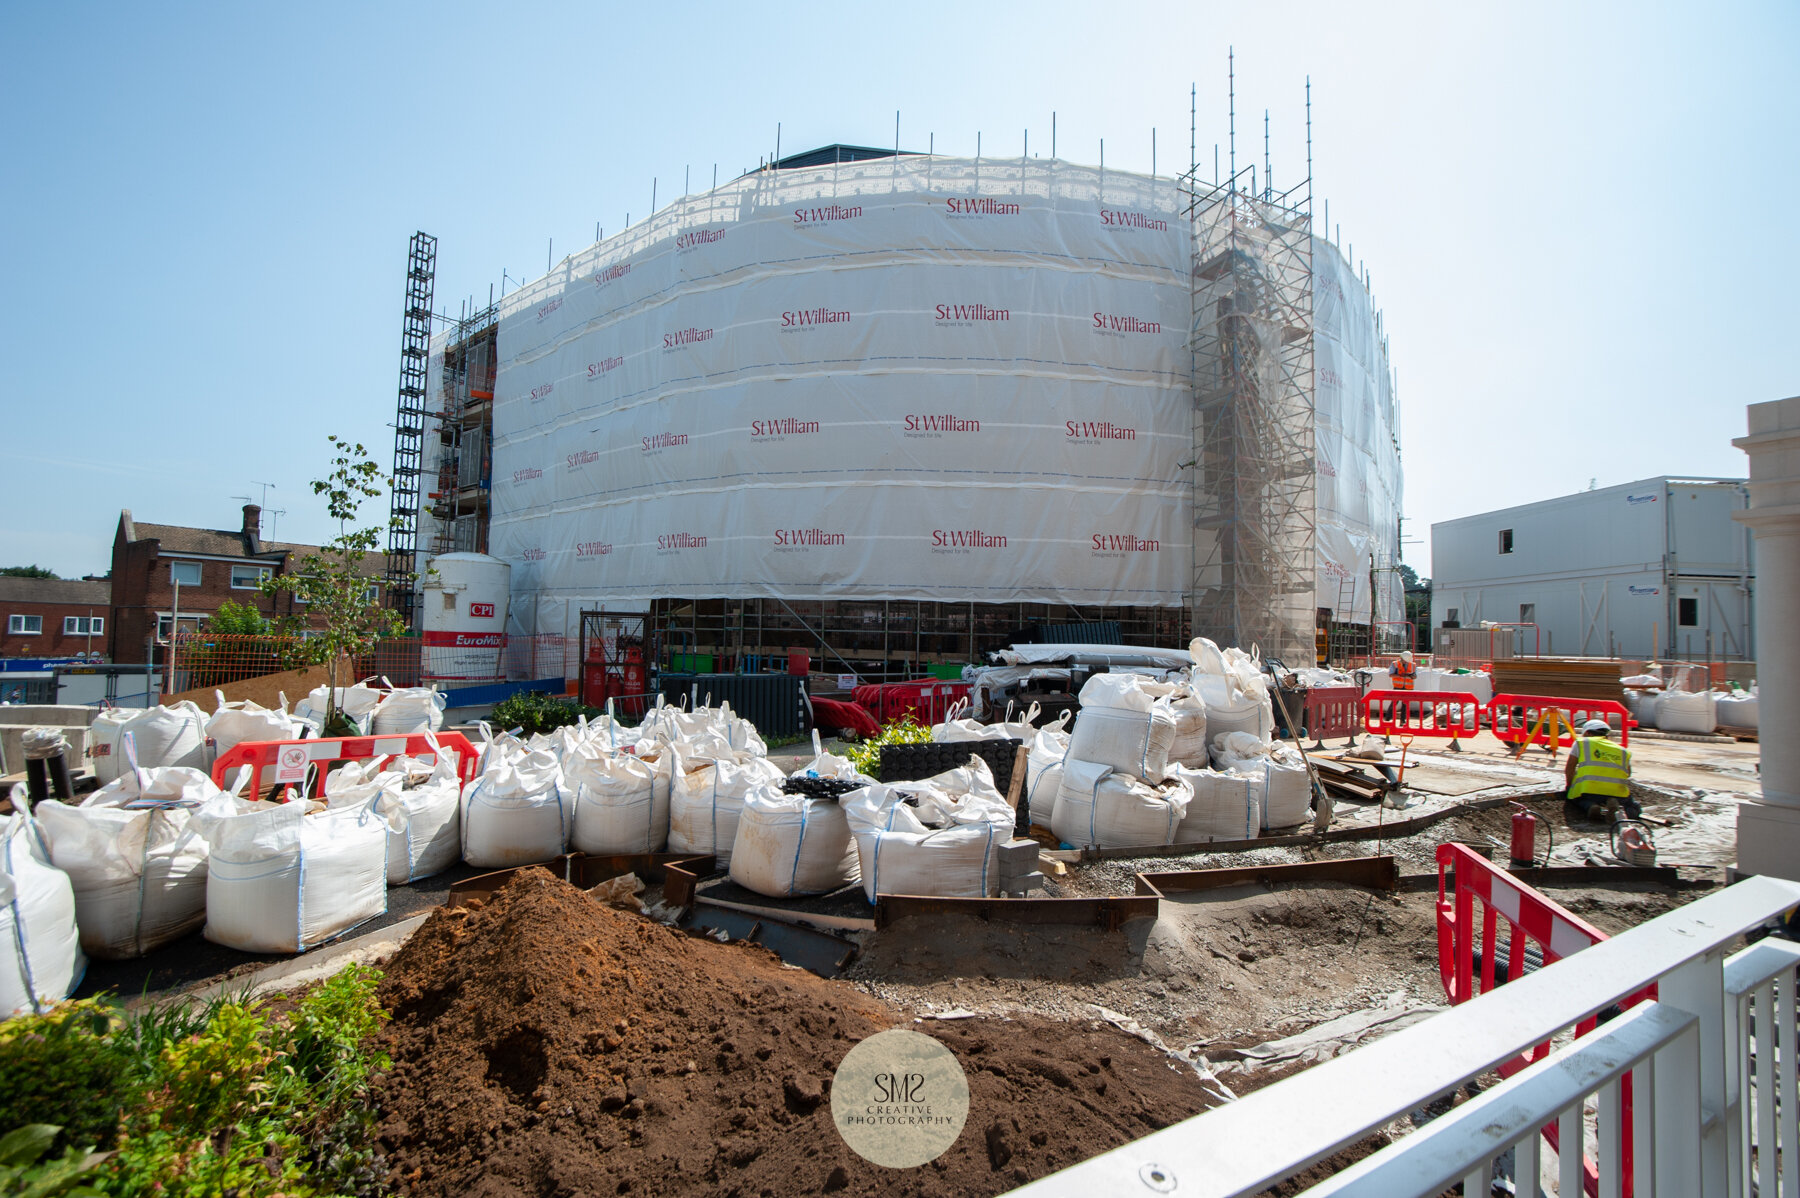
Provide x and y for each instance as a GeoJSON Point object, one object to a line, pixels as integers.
{"type": "Point", "coordinates": [1736, 710]}
{"type": "Point", "coordinates": [1230, 708]}
{"type": "Point", "coordinates": [515, 812]}
{"type": "Point", "coordinates": [1124, 726]}
{"type": "Point", "coordinates": [1225, 806]}
{"type": "Point", "coordinates": [234, 723]}
{"type": "Point", "coordinates": [1682, 711]}
{"type": "Point", "coordinates": [409, 710]}
{"type": "Point", "coordinates": [1189, 710]}
{"type": "Point", "coordinates": [1285, 788]}
{"type": "Point", "coordinates": [1041, 799]}
{"type": "Point", "coordinates": [1045, 753]}
{"type": "Point", "coordinates": [1206, 655]}
{"type": "Point", "coordinates": [356, 702]}
{"type": "Point", "coordinates": [138, 868]}
{"type": "Point", "coordinates": [163, 736]}
{"type": "Point", "coordinates": [706, 801]}
{"type": "Point", "coordinates": [619, 808]}
{"type": "Point", "coordinates": [790, 844]}
{"type": "Point", "coordinates": [830, 765]}
{"type": "Point", "coordinates": [1099, 807]}
{"type": "Point", "coordinates": [40, 949]}
{"type": "Point", "coordinates": [105, 757]}
{"type": "Point", "coordinates": [945, 845]}
{"type": "Point", "coordinates": [282, 881]}
{"type": "Point", "coordinates": [419, 800]}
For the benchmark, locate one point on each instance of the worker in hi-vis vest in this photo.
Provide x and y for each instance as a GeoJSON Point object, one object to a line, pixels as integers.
{"type": "Point", "coordinates": [1598, 775]}
{"type": "Point", "coordinates": [1405, 672]}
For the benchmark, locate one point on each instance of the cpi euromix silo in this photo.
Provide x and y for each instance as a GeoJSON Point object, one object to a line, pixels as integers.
{"type": "Point", "coordinates": [463, 618]}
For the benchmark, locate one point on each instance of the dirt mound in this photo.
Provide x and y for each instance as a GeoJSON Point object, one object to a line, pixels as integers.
{"type": "Point", "coordinates": [547, 1046]}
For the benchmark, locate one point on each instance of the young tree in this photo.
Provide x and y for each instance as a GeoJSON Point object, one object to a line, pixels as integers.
{"type": "Point", "coordinates": [33, 571]}
{"type": "Point", "coordinates": [331, 583]}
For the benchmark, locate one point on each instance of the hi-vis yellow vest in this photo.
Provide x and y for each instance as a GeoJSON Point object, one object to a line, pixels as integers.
{"type": "Point", "coordinates": [1602, 769]}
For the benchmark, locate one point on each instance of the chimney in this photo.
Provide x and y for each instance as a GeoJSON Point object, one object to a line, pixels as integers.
{"type": "Point", "coordinates": [252, 527]}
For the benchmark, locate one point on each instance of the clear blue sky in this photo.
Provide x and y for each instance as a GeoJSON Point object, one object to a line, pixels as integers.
{"type": "Point", "coordinates": [1580, 219]}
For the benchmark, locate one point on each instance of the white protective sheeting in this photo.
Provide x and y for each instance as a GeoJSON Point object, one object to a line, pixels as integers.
{"type": "Point", "coordinates": [618, 806]}
{"type": "Point", "coordinates": [138, 869]}
{"type": "Point", "coordinates": [1099, 807]}
{"type": "Point", "coordinates": [936, 844]}
{"type": "Point", "coordinates": [790, 844]}
{"type": "Point", "coordinates": [40, 949]}
{"type": "Point", "coordinates": [282, 881]}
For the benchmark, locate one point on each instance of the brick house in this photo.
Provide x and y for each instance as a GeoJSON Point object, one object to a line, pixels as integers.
{"type": "Point", "coordinates": [211, 565]}
{"type": "Point", "coordinates": [54, 617]}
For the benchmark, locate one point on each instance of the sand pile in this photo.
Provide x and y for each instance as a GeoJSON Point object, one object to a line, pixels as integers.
{"type": "Point", "coordinates": [545, 1045]}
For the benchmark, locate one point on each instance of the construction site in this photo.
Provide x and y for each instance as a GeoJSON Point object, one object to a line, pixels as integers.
{"type": "Point", "coordinates": [905, 687]}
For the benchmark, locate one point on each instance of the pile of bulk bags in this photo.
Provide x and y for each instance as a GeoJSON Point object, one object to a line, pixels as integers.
{"type": "Point", "coordinates": [515, 811]}
{"type": "Point", "coordinates": [1277, 771]}
{"type": "Point", "coordinates": [706, 800]}
{"type": "Point", "coordinates": [1100, 807]}
{"type": "Point", "coordinates": [1123, 725]}
{"type": "Point", "coordinates": [920, 838]}
{"type": "Point", "coordinates": [40, 949]}
{"type": "Point", "coordinates": [137, 866]}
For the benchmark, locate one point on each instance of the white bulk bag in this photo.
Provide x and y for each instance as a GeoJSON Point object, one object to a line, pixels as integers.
{"type": "Point", "coordinates": [409, 710]}
{"type": "Point", "coordinates": [138, 868]}
{"type": "Point", "coordinates": [1044, 753]}
{"type": "Point", "coordinates": [1225, 806]}
{"type": "Point", "coordinates": [958, 727]}
{"type": "Point", "coordinates": [1041, 798]}
{"type": "Point", "coordinates": [1736, 710]}
{"type": "Point", "coordinates": [1380, 680]}
{"type": "Point", "coordinates": [1123, 725]}
{"type": "Point", "coordinates": [40, 949]}
{"type": "Point", "coordinates": [105, 757]}
{"type": "Point", "coordinates": [618, 808]}
{"type": "Point", "coordinates": [280, 880]}
{"type": "Point", "coordinates": [741, 734]}
{"type": "Point", "coordinates": [830, 765]}
{"type": "Point", "coordinates": [943, 845]}
{"type": "Point", "coordinates": [790, 844]}
{"type": "Point", "coordinates": [1206, 655]}
{"type": "Point", "coordinates": [1231, 708]}
{"type": "Point", "coordinates": [1286, 788]}
{"type": "Point", "coordinates": [164, 736]}
{"type": "Point", "coordinates": [1682, 711]}
{"type": "Point", "coordinates": [515, 811]}
{"type": "Point", "coordinates": [1189, 745]}
{"type": "Point", "coordinates": [420, 802]}
{"type": "Point", "coordinates": [234, 723]}
{"type": "Point", "coordinates": [705, 801]}
{"type": "Point", "coordinates": [1099, 807]}
{"type": "Point", "coordinates": [1480, 684]}
{"type": "Point", "coordinates": [357, 703]}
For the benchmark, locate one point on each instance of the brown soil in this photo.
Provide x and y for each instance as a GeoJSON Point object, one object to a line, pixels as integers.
{"type": "Point", "coordinates": [547, 1046]}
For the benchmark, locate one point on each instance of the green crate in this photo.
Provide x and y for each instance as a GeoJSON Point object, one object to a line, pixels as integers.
{"type": "Point", "coordinates": [950, 673]}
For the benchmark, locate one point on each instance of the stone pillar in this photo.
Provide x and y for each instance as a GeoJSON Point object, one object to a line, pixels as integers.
{"type": "Point", "coordinates": [1769, 827]}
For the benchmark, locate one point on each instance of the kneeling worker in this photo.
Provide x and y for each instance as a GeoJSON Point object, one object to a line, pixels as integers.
{"type": "Point", "coordinates": [1598, 775]}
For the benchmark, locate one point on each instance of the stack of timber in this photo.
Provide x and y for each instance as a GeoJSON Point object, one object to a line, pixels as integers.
{"type": "Point", "coordinates": [1344, 781]}
{"type": "Point", "coordinates": [1560, 677]}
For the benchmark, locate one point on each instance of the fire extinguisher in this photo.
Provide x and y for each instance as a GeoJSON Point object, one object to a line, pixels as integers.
{"type": "Point", "coordinates": [1524, 838]}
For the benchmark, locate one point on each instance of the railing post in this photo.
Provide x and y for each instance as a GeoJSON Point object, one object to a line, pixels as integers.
{"type": "Point", "coordinates": [1698, 987]}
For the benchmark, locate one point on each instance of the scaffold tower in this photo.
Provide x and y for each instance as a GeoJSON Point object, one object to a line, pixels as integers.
{"type": "Point", "coordinates": [409, 424]}
{"type": "Point", "coordinates": [1251, 354]}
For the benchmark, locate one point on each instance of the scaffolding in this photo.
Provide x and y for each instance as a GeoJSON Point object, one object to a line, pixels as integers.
{"type": "Point", "coordinates": [1251, 353]}
{"type": "Point", "coordinates": [459, 500]}
{"type": "Point", "coordinates": [409, 424]}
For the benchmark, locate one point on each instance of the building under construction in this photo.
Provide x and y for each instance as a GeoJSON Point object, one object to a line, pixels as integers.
{"type": "Point", "coordinates": [900, 409]}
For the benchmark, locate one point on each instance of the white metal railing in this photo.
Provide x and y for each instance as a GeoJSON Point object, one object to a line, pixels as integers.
{"type": "Point", "coordinates": [1711, 1064]}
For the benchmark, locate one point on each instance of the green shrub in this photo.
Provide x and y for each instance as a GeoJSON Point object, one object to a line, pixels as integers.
{"type": "Point", "coordinates": [903, 731]}
{"type": "Point", "coordinates": [536, 711]}
{"type": "Point", "coordinates": [23, 1173]}
{"type": "Point", "coordinates": [63, 1067]}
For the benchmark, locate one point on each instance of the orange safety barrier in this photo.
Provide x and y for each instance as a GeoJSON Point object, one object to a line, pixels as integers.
{"type": "Point", "coordinates": [1445, 714]}
{"type": "Point", "coordinates": [929, 700]}
{"type": "Point", "coordinates": [1535, 926]}
{"type": "Point", "coordinates": [1514, 718]}
{"type": "Point", "coordinates": [286, 761]}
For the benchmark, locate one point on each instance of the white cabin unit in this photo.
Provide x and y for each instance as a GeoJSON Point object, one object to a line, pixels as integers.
{"type": "Point", "coordinates": [1652, 569]}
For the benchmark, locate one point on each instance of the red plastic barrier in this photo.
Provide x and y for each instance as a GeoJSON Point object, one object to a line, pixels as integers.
{"type": "Point", "coordinates": [1332, 711]}
{"type": "Point", "coordinates": [298, 754]}
{"type": "Point", "coordinates": [1445, 714]}
{"type": "Point", "coordinates": [837, 715]}
{"type": "Point", "coordinates": [928, 699]}
{"type": "Point", "coordinates": [1464, 877]}
{"type": "Point", "coordinates": [1513, 717]}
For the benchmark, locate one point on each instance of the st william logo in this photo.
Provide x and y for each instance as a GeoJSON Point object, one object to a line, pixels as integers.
{"type": "Point", "coordinates": [900, 1099]}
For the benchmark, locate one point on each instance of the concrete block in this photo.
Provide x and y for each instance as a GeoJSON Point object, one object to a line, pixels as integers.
{"type": "Point", "coordinates": [1017, 857]}
{"type": "Point", "coordinates": [59, 715]}
{"type": "Point", "coordinates": [1021, 886]}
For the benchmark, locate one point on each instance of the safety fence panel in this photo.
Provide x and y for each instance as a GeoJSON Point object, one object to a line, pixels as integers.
{"type": "Point", "coordinates": [1515, 719]}
{"type": "Point", "coordinates": [1332, 711]}
{"type": "Point", "coordinates": [927, 700]}
{"type": "Point", "coordinates": [1538, 932]}
{"type": "Point", "coordinates": [287, 762]}
{"type": "Point", "coordinates": [203, 660]}
{"type": "Point", "coordinates": [1443, 714]}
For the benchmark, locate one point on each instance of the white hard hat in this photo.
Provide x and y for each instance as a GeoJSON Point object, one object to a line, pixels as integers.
{"type": "Point", "coordinates": [1596, 728]}
{"type": "Point", "coordinates": [1406, 656]}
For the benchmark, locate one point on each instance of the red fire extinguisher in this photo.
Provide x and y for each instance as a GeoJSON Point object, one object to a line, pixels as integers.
{"type": "Point", "coordinates": [1524, 837]}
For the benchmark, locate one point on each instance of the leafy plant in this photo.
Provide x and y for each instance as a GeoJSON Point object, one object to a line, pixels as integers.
{"type": "Point", "coordinates": [537, 711]}
{"type": "Point", "coordinates": [331, 583]}
{"type": "Point", "coordinates": [866, 757]}
{"type": "Point", "coordinates": [23, 1176]}
{"type": "Point", "coordinates": [62, 1067]}
{"type": "Point", "coordinates": [239, 619]}
{"type": "Point", "coordinates": [26, 572]}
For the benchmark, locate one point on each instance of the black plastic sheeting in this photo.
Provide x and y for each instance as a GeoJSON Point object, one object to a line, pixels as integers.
{"type": "Point", "coordinates": [1096, 632]}
{"type": "Point", "coordinates": [772, 702]}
